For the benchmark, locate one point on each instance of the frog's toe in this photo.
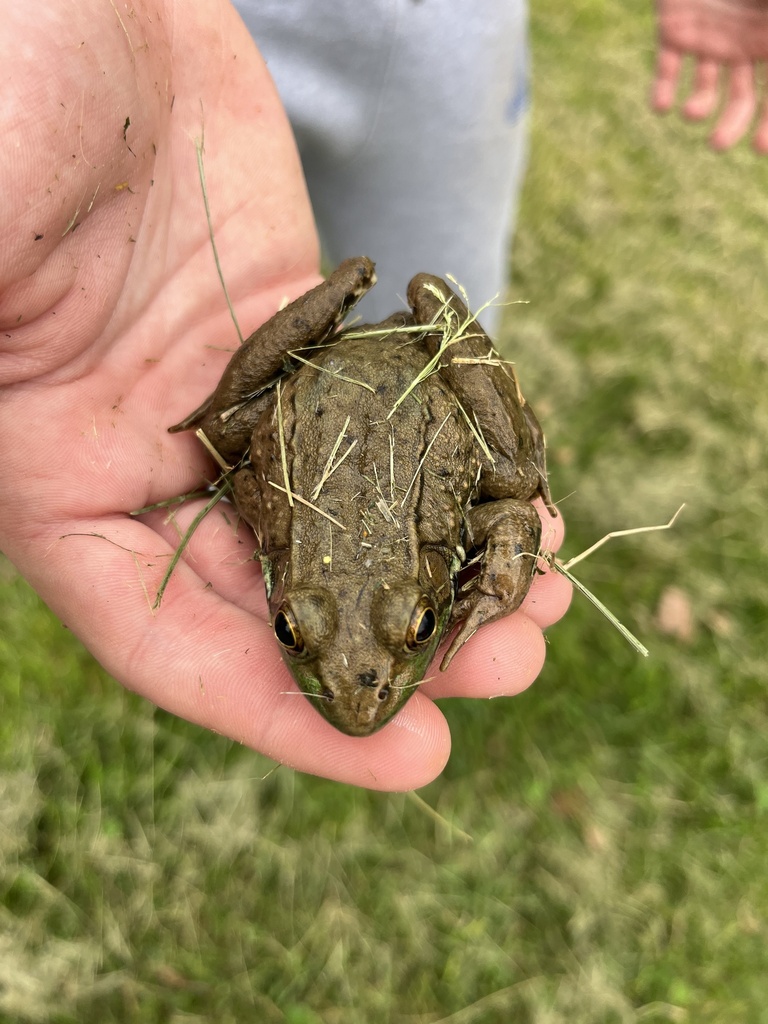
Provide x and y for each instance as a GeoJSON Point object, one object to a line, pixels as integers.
{"type": "Point", "coordinates": [457, 643]}
{"type": "Point", "coordinates": [499, 590]}
{"type": "Point", "coordinates": [486, 609]}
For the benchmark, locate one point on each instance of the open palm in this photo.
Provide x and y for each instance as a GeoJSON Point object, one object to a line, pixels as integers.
{"type": "Point", "coordinates": [114, 326]}
{"type": "Point", "coordinates": [728, 40]}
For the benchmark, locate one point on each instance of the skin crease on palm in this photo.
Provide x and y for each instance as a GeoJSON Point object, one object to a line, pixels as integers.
{"type": "Point", "coordinates": [728, 42]}
{"type": "Point", "coordinates": [114, 326]}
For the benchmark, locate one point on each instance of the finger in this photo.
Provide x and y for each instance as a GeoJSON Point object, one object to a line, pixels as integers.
{"type": "Point", "coordinates": [703, 99]}
{"type": "Point", "coordinates": [548, 599]}
{"type": "Point", "coordinates": [668, 66]}
{"type": "Point", "coordinates": [550, 594]}
{"type": "Point", "coordinates": [217, 665]}
{"type": "Point", "coordinates": [552, 528]}
{"type": "Point", "coordinates": [761, 134]}
{"type": "Point", "coordinates": [739, 109]}
{"type": "Point", "coordinates": [502, 659]}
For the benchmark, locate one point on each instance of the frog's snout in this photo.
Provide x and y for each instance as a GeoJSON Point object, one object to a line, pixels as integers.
{"type": "Point", "coordinates": [360, 704]}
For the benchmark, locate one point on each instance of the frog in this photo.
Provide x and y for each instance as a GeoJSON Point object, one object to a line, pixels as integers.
{"type": "Point", "coordinates": [388, 472]}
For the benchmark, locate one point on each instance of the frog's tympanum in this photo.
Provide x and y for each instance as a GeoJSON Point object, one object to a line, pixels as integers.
{"type": "Point", "coordinates": [387, 471]}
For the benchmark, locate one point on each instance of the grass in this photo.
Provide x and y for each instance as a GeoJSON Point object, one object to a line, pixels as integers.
{"type": "Point", "coordinates": [617, 811]}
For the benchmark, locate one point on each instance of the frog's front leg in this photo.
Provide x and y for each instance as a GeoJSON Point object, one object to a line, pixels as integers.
{"type": "Point", "coordinates": [311, 319]}
{"type": "Point", "coordinates": [510, 532]}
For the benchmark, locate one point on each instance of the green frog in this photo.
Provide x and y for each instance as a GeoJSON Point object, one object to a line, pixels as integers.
{"type": "Point", "coordinates": [387, 471]}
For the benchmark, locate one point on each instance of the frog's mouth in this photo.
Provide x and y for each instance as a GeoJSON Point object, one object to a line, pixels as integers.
{"type": "Point", "coordinates": [360, 704]}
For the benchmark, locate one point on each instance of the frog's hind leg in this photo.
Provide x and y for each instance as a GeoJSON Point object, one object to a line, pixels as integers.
{"type": "Point", "coordinates": [194, 418]}
{"type": "Point", "coordinates": [309, 320]}
{"type": "Point", "coordinates": [226, 416]}
{"type": "Point", "coordinates": [539, 458]}
{"type": "Point", "coordinates": [510, 532]}
{"type": "Point", "coordinates": [470, 364]}
{"type": "Point", "coordinates": [489, 387]}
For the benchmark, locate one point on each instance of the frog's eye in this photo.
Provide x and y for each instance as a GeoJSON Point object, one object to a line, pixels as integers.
{"type": "Point", "coordinates": [287, 631]}
{"type": "Point", "coordinates": [421, 628]}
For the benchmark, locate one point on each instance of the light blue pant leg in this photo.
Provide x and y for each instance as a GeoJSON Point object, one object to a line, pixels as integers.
{"type": "Point", "coordinates": [410, 116]}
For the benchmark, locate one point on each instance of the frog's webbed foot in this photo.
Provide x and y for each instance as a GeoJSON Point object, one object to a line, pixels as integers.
{"type": "Point", "coordinates": [510, 531]}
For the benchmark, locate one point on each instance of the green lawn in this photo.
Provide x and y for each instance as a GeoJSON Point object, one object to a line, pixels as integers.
{"type": "Point", "coordinates": [601, 848]}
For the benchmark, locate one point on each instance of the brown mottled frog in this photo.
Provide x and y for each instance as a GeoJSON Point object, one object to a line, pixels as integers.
{"type": "Point", "coordinates": [387, 471]}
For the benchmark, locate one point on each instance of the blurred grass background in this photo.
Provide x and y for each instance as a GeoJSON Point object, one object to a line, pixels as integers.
{"type": "Point", "coordinates": [616, 813]}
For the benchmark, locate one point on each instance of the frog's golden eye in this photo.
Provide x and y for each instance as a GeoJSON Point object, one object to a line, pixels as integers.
{"type": "Point", "coordinates": [422, 627]}
{"type": "Point", "coordinates": [287, 631]}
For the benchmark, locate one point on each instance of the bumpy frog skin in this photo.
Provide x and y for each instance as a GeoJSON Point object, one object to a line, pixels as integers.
{"type": "Point", "coordinates": [368, 489]}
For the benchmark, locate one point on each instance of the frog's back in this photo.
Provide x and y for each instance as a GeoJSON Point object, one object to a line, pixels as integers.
{"type": "Point", "coordinates": [387, 466]}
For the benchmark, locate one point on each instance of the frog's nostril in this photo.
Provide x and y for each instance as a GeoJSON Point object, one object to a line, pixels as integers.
{"type": "Point", "coordinates": [383, 693]}
{"type": "Point", "coordinates": [328, 695]}
{"type": "Point", "coordinates": [367, 678]}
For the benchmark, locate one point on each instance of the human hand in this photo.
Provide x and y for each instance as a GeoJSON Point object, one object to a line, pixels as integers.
{"type": "Point", "coordinates": [728, 39]}
{"type": "Point", "coordinates": [112, 327]}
